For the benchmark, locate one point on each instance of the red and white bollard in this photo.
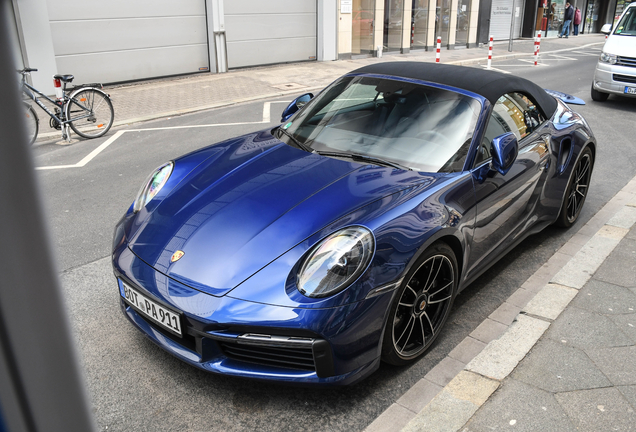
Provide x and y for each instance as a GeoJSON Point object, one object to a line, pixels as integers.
{"type": "Point", "coordinates": [439, 46]}
{"type": "Point", "coordinates": [412, 33]}
{"type": "Point", "coordinates": [490, 53]}
{"type": "Point", "coordinates": [537, 46]}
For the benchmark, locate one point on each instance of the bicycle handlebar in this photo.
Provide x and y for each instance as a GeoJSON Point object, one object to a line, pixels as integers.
{"type": "Point", "coordinates": [27, 70]}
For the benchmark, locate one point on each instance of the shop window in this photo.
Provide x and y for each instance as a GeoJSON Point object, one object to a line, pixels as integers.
{"type": "Point", "coordinates": [393, 16]}
{"type": "Point", "coordinates": [463, 22]}
{"type": "Point", "coordinates": [363, 19]}
{"type": "Point", "coordinates": [419, 24]}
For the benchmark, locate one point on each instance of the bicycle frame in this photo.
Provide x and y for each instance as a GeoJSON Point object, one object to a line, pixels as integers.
{"type": "Point", "coordinates": [31, 92]}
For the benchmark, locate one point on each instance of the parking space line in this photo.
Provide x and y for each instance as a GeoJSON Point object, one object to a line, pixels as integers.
{"type": "Point", "coordinates": [89, 157]}
{"type": "Point", "coordinates": [495, 69]}
{"type": "Point", "coordinates": [109, 141]}
{"type": "Point", "coordinates": [560, 57]}
{"type": "Point", "coordinates": [532, 62]}
{"type": "Point", "coordinates": [594, 54]}
{"type": "Point", "coordinates": [193, 126]}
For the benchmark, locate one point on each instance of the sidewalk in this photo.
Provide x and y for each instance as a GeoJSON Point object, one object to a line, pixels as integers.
{"type": "Point", "coordinates": [153, 99]}
{"type": "Point", "coordinates": [558, 355]}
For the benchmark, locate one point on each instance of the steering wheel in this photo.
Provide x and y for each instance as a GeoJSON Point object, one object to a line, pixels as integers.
{"type": "Point", "coordinates": [431, 135]}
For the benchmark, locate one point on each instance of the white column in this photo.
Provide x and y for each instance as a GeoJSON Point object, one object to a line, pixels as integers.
{"type": "Point", "coordinates": [431, 37]}
{"type": "Point", "coordinates": [327, 30]}
{"type": "Point", "coordinates": [406, 26]}
{"type": "Point", "coordinates": [452, 32]}
{"type": "Point", "coordinates": [32, 20]}
{"type": "Point", "coordinates": [378, 34]}
{"type": "Point", "coordinates": [216, 35]}
{"type": "Point", "coordinates": [472, 23]}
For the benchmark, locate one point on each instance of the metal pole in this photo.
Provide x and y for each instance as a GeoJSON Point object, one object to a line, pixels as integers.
{"type": "Point", "coordinates": [41, 387]}
{"type": "Point", "coordinates": [512, 26]}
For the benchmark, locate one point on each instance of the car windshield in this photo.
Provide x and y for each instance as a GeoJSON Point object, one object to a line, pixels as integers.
{"type": "Point", "coordinates": [627, 25]}
{"type": "Point", "coordinates": [420, 127]}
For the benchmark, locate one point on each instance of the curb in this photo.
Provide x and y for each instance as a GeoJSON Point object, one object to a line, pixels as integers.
{"type": "Point", "coordinates": [448, 396]}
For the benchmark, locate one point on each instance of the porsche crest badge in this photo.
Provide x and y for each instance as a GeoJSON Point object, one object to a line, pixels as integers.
{"type": "Point", "coordinates": [177, 256]}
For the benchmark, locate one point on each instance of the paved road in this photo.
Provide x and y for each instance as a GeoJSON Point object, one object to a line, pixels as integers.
{"type": "Point", "coordinates": [135, 386]}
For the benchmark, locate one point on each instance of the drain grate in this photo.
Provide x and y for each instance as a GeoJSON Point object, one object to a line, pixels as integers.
{"type": "Point", "coordinates": [289, 86]}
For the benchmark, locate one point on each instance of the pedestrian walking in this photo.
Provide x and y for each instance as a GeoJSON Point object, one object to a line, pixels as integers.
{"type": "Point", "coordinates": [567, 20]}
{"type": "Point", "coordinates": [576, 21]}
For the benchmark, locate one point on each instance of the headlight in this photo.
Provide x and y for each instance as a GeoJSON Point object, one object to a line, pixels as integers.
{"type": "Point", "coordinates": [335, 262]}
{"type": "Point", "coordinates": [153, 185]}
{"type": "Point", "coordinates": [608, 58]}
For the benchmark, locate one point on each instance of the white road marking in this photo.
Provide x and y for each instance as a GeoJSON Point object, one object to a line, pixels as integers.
{"type": "Point", "coordinates": [520, 65]}
{"type": "Point", "coordinates": [109, 141]}
{"type": "Point", "coordinates": [594, 54]}
{"type": "Point", "coordinates": [495, 69]}
{"type": "Point", "coordinates": [560, 57]}
{"type": "Point", "coordinates": [193, 126]}
{"type": "Point", "coordinates": [89, 157]}
{"type": "Point", "coordinates": [532, 62]}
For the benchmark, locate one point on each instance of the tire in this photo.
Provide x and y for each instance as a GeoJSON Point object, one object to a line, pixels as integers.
{"type": "Point", "coordinates": [577, 189]}
{"type": "Point", "coordinates": [32, 123]}
{"type": "Point", "coordinates": [599, 96]}
{"type": "Point", "coordinates": [95, 111]}
{"type": "Point", "coordinates": [421, 305]}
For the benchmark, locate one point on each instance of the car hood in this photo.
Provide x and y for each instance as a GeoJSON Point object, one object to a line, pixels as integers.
{"type": "Point", "coordinates": [234, 214]}
{"type": "Point", "coordinates": [624, 46]}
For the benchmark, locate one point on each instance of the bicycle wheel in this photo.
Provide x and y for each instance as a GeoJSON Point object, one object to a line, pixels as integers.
{"type": "Point", "coordinates": [90, 113]}
{"type": "Point", "coordinates": [31, 119]}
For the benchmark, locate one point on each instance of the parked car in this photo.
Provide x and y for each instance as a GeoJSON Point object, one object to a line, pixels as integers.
{"type": "Point", "coordinates": [309, 252]}
{"type": "Point", "coordinates": [616, 69]}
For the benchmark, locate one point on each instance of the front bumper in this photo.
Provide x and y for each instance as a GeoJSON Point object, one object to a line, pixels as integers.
{"type": "Point", "coordinates": [614, 79]}
{"type": "Point", "coordinates": [331, 346]}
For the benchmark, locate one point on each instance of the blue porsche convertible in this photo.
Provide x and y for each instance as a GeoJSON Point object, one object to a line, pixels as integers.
{"type": "Point", "coordinates": [313, 251]}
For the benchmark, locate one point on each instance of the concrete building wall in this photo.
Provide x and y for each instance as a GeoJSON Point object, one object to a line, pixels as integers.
{"type": "Point", "coordinates": [121, 40]}
{"type": "Point", "coordinates": [273, 31]}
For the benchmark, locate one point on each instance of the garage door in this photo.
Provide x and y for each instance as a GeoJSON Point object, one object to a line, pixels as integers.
{"type": "Point", "coordinates": [500, 16]}
{"type": "Point", "coordinates": [121, 40]}
{"type": "Point", "coordinates": [274, 31]}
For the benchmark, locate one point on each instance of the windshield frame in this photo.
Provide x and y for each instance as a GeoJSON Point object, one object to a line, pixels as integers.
{"type": "Point", "coordinates": [481, 111]}
{"type": "Point", "coordinates": [629, 10]}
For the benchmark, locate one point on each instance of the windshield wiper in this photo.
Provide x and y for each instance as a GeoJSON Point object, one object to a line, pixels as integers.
{"type": "Point", "coordinates": [298, 143]}
{"type": "Point", "coordinates": [363, 158]}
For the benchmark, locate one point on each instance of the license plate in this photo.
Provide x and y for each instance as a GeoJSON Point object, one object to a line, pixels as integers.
{"type": "Point", "coordinates": [161, 315]}
{"type": "Point", "coordinates": [630, 90]}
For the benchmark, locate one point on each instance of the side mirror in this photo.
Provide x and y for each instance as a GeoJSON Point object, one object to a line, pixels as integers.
{"type": "Point", "coordinates": [607, 29]}
{"type": "Point", "coordinates": [295, 105]}
{"type": "Point", "coordinates": [504, 152]}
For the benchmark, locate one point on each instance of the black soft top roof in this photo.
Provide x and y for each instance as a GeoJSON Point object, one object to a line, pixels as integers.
{"type": "Point", "coordinates": [487, 83]}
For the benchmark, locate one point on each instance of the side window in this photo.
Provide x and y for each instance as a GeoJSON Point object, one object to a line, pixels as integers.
{"type": "Point", "coordinates": [513, 112]}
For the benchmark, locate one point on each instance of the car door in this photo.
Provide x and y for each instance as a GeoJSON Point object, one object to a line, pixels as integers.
{"type": "Point", "coordinates": [505, 203]}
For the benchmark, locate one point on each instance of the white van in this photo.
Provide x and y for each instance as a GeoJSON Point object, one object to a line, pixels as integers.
{"type": "Point", "coordinates": [616, 68]}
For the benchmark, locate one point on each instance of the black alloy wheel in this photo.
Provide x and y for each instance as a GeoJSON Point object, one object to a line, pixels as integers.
{"type": "Point", "coordinates": [578, 187]}
{"type": "Point", "coordinates": [421, 305]}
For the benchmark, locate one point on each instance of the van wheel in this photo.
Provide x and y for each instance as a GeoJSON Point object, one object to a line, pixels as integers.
{"type": "Point", "coordinates": [599, 96]}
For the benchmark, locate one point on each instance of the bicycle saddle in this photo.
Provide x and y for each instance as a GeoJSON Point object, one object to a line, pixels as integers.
{"type": "Point", "coordinates": [65, 78]}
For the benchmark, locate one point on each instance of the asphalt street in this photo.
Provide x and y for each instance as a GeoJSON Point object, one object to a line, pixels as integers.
{"type": "Point", "coordinates": [135, 386]}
